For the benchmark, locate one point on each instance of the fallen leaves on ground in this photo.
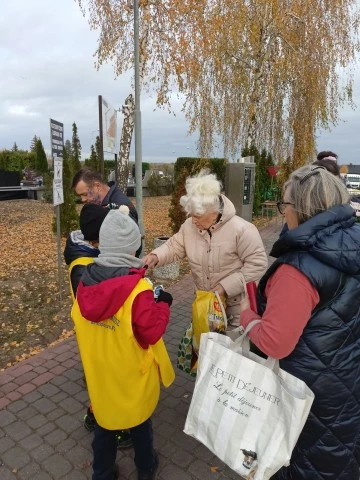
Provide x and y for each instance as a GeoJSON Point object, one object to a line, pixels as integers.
{"type": "Point", "coordinates": [32, 314]}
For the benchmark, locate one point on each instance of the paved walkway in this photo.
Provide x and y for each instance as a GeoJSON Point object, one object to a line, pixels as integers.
{"type": "Point", "coordinates": [43, 401]}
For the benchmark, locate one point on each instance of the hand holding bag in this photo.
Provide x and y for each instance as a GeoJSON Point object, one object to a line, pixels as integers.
{"type": "Point", "coordinates": [244, 408]}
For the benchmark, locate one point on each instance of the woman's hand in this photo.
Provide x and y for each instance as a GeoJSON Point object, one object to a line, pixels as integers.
{"type": "Point", "coordinates": [151, 260]}
{"type": "Point", "coordinates": [220, 290]}
{"type": "Point", "coordinates": [244, 303]}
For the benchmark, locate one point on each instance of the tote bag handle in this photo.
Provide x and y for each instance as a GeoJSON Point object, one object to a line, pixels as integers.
{"type": "Point", "coordinates": [242, 345]}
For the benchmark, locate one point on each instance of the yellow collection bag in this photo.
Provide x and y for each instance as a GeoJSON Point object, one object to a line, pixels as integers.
{"type": "Point", "coordinates": [208, 315]}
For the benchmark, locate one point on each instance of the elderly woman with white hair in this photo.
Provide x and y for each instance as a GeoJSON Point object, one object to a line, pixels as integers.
{"type": "Point", "coordinates": [222, 249]}
{"type": "Point", "coordinates": [309, 304]}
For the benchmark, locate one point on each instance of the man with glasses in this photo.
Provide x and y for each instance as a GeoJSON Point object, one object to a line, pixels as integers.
{"type": "Point", "coordinates": [91, 188]}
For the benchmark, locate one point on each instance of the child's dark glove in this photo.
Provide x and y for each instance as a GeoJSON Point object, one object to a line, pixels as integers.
{"type": "Point", "coordinates": [165, 297]}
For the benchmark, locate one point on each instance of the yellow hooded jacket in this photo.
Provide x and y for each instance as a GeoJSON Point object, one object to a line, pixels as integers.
{"type": "Point", "coordinates": [123, 379]}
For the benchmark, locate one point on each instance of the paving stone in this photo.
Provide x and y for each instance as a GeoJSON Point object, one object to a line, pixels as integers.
{"type": "Point", "coordinates": [55, 437]}
{"type": "Point", "coordinates": [16, 458]}
{"type": "Point", "coordinates": [71, 388]}
{"type": "Point", "coordinates": [20, 369]}
{"type": "Point", "coordinates": [27, 413]}
{"type": "Point", "coordinates": [15, 395]}
{"type": "Point", "coordinates": [43, 378]}
{"type": "Point", "coordinates": [203, 453]}
{"type": "Point", "coordinates": [71, 406]}
{"type": "Point", "coordinates": [181, 458]}
{"type": "Point", "coordinates": [57, 466]}
{"type": "Point", "coordinates": [184, 441]}
{"type": "Point", "coordinates": [40, 370]}
{"type": "Point", "coordinates": [65, 446]}
{"type": "Point", "coordinates": [48, 390]}
{"type": "Point", "coordinates": [60, 397]}
{"type": "Point", "coordinates": [69, 363]}
{"type": "Point", "coordinates": [26, 388]}
{"type": "Point", "coordinates": [64, 356]}
{"type": "Point", "coordinates": [8, 387]}
{"type": "Point", "coordinates": [68, 423]}
{"type": "Point", "coordinates": [59, 380]}
{"type": "Point", "coordinates": [83, 396]}
{"type": "Point", "coordinates": [37, 421]}
{"type": "Point", "coordinates": [5, 444]}
{"type": "Point", "coordinates": [32, 397]}
{"type": "Point", "coordinates": [5, 378]}
{"type": "Point", "coordinates": [79, 456]}
{"type": "Point", "coordinates": [30, 442]}
{"type": "Point", "coordinates": [173, 472]}
{"type": "Point", "coordinates": [74, 374]}
{"type": "Point", "coordinates": [29, 471]}
{"type": "Point", "coordinates": [17, 430]}
{"type": "Point", "coordinates": [6, 474]}
{"type": "Point", "coordinates": [166, 430]}
{"type": "Point", "coordinates": [44, 405]}
{"type": "Point", "coordinates": [75, 475]}
{"type": "Point", "coordinates": [42, 452]}
{"type": "Point", "coordinates": [42, 476]}
{"type": "Point", "coordinates": [6, 418]}
{"type": "Point", "coordinates": [25, 378]}
{"type": "Point", "coordinates": [17, 406]}
{"type": "Point", "coordinates": [46, 428]}
{"type": "Point", "coordinates": [167, 448]}
{"type": "Point", "coordinates": [202, 471]}
{"type": "Point", "coordinates": [55, 414]}
{"type": "Point", "coordinates": [58, 370]}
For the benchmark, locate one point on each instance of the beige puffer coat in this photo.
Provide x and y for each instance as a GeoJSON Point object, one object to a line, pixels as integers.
{"type": "Point", "coordinates": [217, 256]}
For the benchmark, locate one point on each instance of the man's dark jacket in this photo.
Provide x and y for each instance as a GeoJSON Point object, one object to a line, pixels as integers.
{"type": "Point", "coordinates": [116, 197]}
{"type": "Point", "coordinates": [326, 249]}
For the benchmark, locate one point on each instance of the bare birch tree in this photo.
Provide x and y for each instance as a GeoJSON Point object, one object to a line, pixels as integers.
{"type": "Point", "coordinates": [128, 110]}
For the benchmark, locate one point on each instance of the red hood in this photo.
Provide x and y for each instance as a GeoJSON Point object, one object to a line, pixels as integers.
{"type": "Point", "coordinates": [101, 301]}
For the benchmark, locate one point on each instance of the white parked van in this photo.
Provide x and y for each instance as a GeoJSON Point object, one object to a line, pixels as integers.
{"type": "Point", "coordinates": [352, 180]}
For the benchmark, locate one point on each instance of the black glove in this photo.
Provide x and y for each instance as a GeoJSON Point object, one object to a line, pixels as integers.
{"type": "Point", "coordinates": [165, 297]}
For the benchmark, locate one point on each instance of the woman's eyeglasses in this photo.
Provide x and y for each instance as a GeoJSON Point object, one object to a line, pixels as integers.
{"type": "Point", "coordinates": [281, 206]}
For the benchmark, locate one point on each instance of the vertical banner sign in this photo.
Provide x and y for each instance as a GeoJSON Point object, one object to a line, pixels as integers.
{"type": "Point", "coordinates": [56, 138]}
{"type": "Point", "coordinates": [57, 145]}
{"type": "Point", "coordinates": [109, 127]}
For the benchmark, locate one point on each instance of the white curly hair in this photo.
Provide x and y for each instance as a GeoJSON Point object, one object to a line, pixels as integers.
{"type": "Point", "coordinates": [202, 194]}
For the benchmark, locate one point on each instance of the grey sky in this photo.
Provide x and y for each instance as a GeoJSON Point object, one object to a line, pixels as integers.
{"type": "Point", "coordinates": [46, 53]}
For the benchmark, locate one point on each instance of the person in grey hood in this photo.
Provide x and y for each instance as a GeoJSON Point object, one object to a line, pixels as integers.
{"type": "Point", "coordinates": [119, 326]}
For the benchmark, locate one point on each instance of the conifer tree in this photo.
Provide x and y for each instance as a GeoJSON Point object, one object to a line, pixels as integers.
{"type": "Point", "coordinates": [33, 144]}
{"type": "Point", "coordinates": [69, 219]}
{"type": "Point", "coordinates": [93, 161]}
{"type": "Point", "coordinates": [41, 164]}
{"type": "Point", "coordinates": [68, 148]}
{"type": "Point", "coordinates": [15, 147]}
{"type": "Point", "coordinates": [98, 149]}
{"type": "Point", "coordinates": [75, 150]}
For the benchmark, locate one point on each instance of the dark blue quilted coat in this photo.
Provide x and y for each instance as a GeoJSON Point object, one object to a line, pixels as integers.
{"type": "Point", "coordinates": [326, 249]}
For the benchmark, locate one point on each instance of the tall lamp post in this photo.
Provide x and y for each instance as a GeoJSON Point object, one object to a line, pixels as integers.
{"type": "Point", "coordinates": [138, 153]}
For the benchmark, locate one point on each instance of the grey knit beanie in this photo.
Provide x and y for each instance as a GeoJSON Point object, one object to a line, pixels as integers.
{"type": "Point", "coordinates": [119, 235]}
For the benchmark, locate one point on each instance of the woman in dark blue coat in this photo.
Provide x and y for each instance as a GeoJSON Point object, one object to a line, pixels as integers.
{"type": "Point", "coordinates": [309, 303]}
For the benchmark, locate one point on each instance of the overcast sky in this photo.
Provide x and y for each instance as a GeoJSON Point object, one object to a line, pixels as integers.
{"type": "Point", "coordinates": [46, 54]}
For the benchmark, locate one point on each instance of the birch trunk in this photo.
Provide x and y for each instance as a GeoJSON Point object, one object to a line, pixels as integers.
{"type": "Point", "coordinates": [122, 172]}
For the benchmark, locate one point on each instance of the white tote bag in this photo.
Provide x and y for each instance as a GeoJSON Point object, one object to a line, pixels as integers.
{"type": "Point", "coordinates": [245, 409]}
